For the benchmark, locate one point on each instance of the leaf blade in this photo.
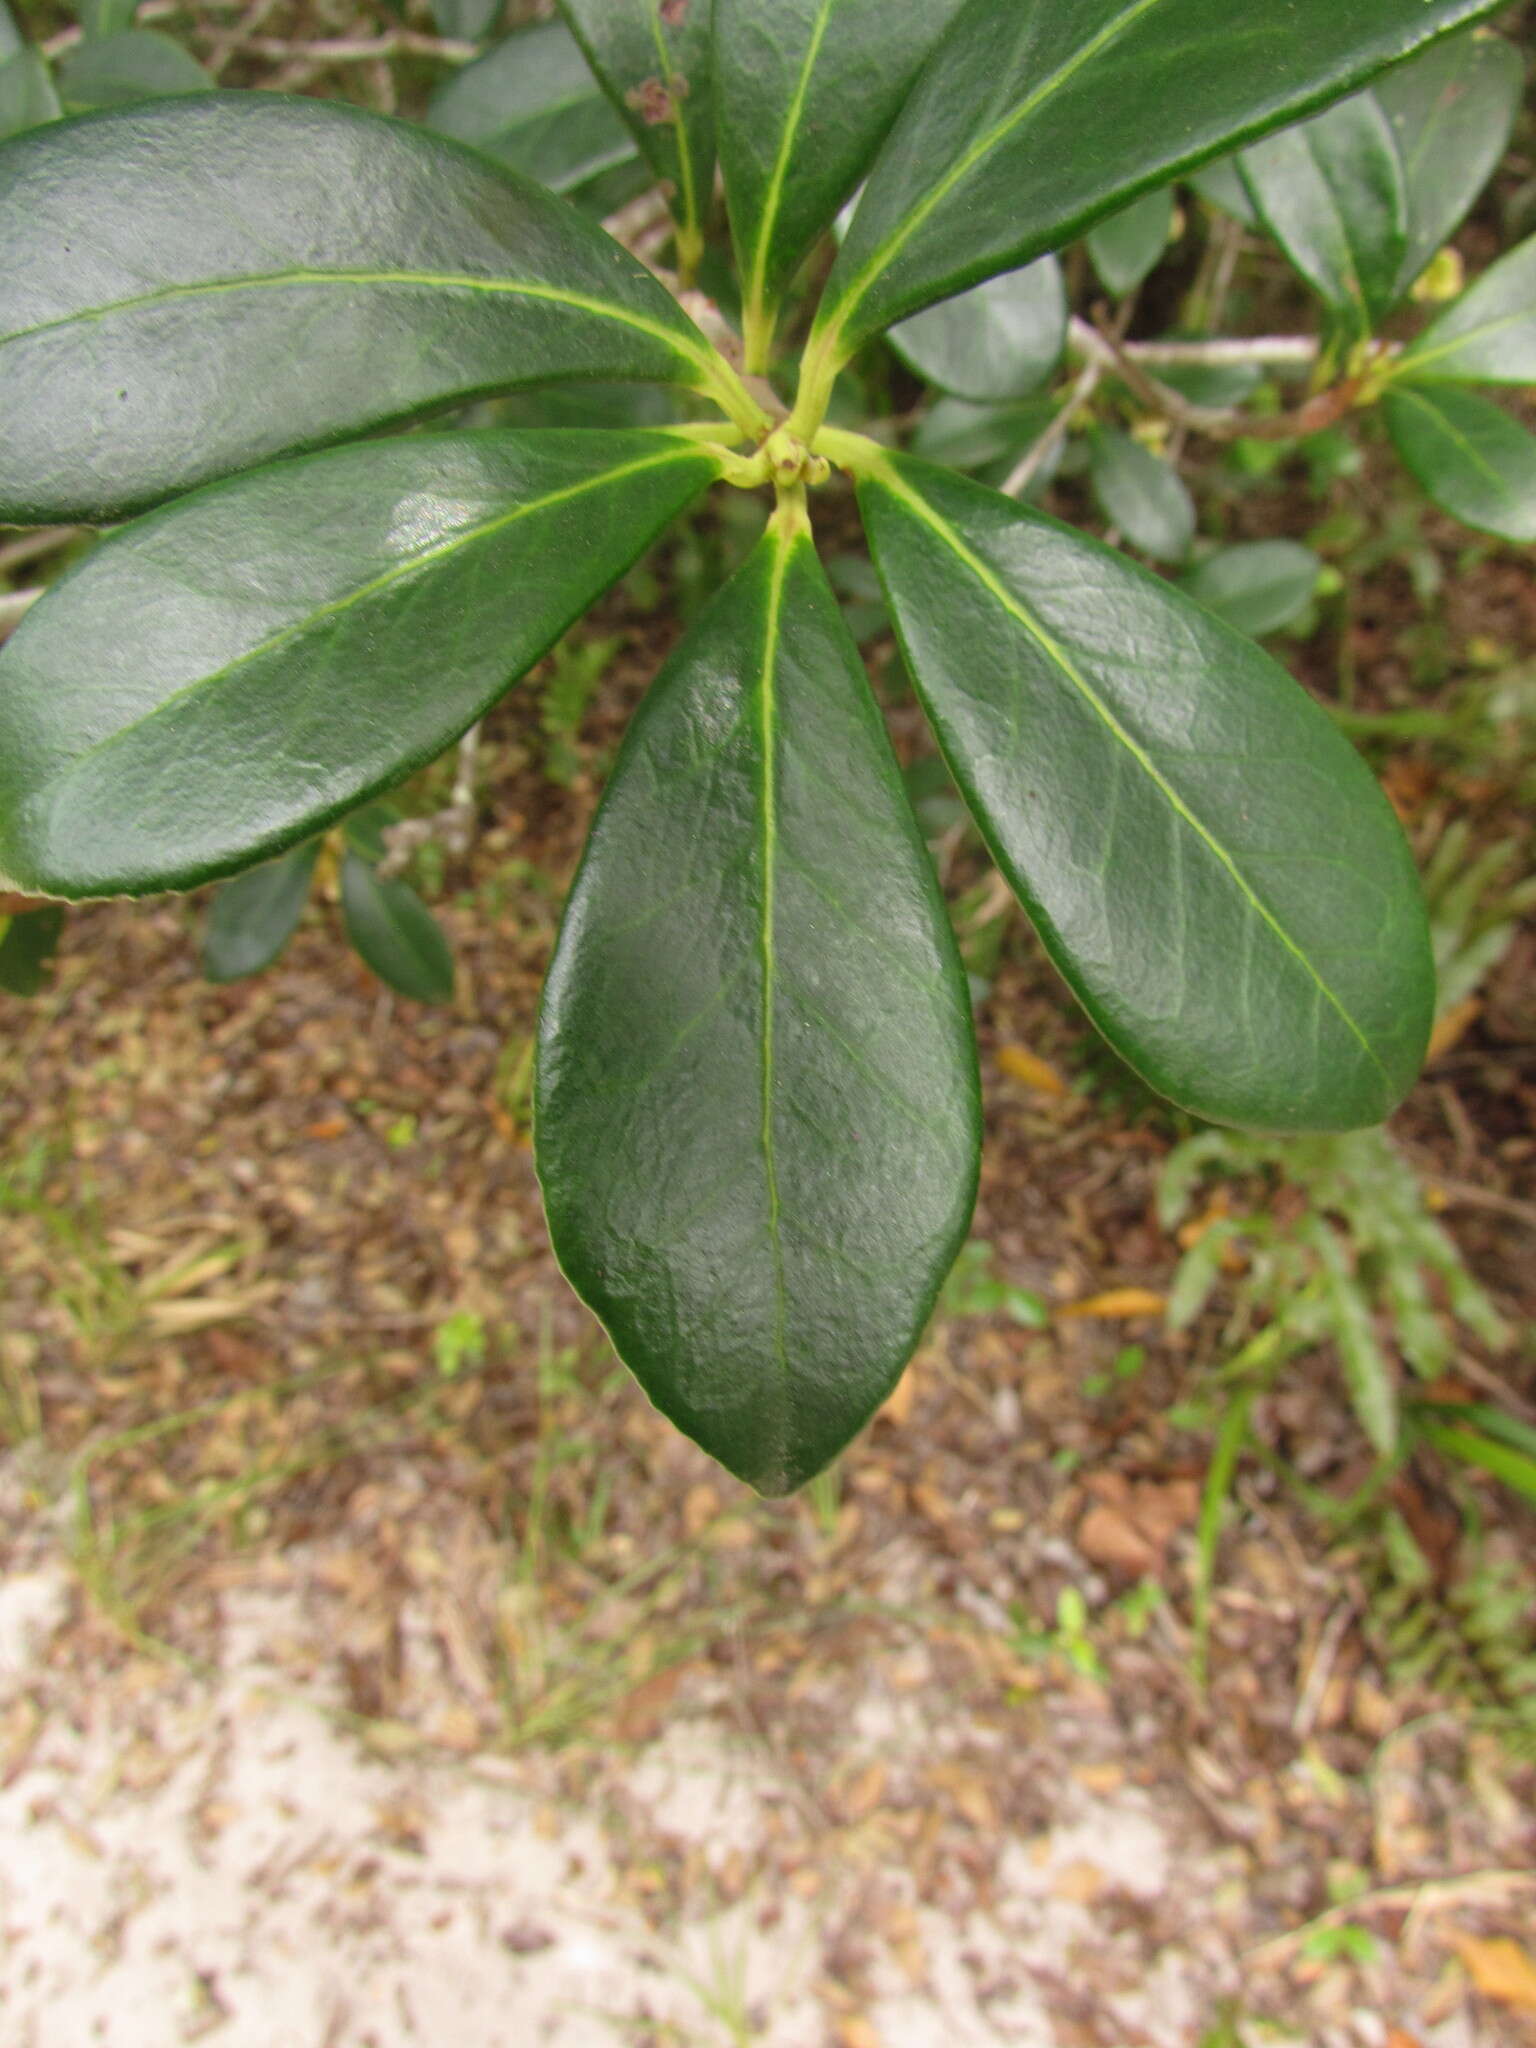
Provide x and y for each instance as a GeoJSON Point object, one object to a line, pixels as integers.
{"type": "Point", "coordinates": [213, 732]}
{"type": "Point", "coordinates": [253, 917]}
{"type": "Point", "coordinates": [1051, 99]}
{"type": "Point", "coordinates": [653, 59]}
{"type": "Point", "coordinates": [997, 342]}
{"type": "Point", "coordinates": [730, 987]}
{"type": "Point", "coordinates": [1470, 457]}
{"type": "Point", "coordinates": [1332, 192]}
{"type": "Point", "coordinates": [1269, 985]}
{"type": "Point", "coordinates": [395, 934]}
{"type": "Point", "coordinates": [1488, 336]}
{"type": "Point", "coordinates": [815, 85]}
{"type": "Point", "coordinates": [344, 310]}
{"type": "Point", "coordinates": [532, 103]}
{"type": "Point", "coordinates": [1453, 111]}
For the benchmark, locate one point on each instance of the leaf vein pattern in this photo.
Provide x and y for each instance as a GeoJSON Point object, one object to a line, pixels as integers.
{"type": "Point", "coordinates": [1057, 655]}
{"type": "Point", "coordinates": [324, 617]}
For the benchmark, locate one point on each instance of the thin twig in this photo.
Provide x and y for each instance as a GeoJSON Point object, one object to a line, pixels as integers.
{"type": "Point", "coordinates": [400, 42]}
{"type": "Point", "coordinates": [453, 827]}
{"type": "Point", "coordinates": [1029, 465]}
{"type": "Point", "coordinates": [1130, 361]}
{"type": "Point", "coordinates": [13, 603]}
{"type": "Point", "coordinates": [17, 554]}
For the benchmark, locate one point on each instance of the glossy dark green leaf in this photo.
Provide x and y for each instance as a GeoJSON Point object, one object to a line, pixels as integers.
{"type": "Point", "coordinates": [466, 21]}
{"type": "Point", "coordinates": [1471, 458]}
{"type": "Point", "coordinates": [1331, 191]}
{"type": "Point", "coordinates": [1035, 120]}
{"type": "Point", "coordinates": [117, 70]}
{"type": "Point", "coordinates": [533, 104]}
{"type": "Point", "coordinates": [1205, 857]}
{"type": "Point", "coordinates": [1127, 247]}
{"type": "Point", "coordinates": [253, 917]}
{"type": "Point", "coordinates": [999, 341]}
{"type": "Point", "coordinates": [1489, 335]}
{"type": "Point", "coordinates": [1143, 496]}
{"type": "Point", "coordinates": [1451, 111]}
{"type": "Point", "coordinates": [756, 1118]}
{"type": "Point", "coordinates": [808, 90]}
{"type": "Point", "coordinates": [395, 934]}
{"type": "Point", "coordinates": [228, 675]}
{"type": "Point", "coordinates": [249, 274]}
{"type": "Point", "coordinates": [27, 96]}
{"type": "Point", "coordinates": [28, 942]}
{"type": "Point", "coordinates": [653, 56]}
{"type": "Point", "coordinates": [1258, 586]}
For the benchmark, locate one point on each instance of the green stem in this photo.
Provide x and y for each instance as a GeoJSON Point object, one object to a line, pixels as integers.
{"type": "Point", "coordinates": [856, 453]}
{"type": "Point", "coordinates": [818, 373]}
{"type": "Point", "coordinates": [720, 382]}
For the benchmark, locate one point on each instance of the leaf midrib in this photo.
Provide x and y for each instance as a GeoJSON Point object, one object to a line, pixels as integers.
{"type": "Point", "coordinates": [1468, 449]}
{"type": "Point", "coordinates": [887, 251]}
{"type": "Point", "coordinates": [398, 573]}
{"type": "Point", "coordinates": [433, 280]}
{"type": "Point", "coordinates": [768, 852]}
{"type": "Point", "coordinates": [685, 174]}
{"type": "Point", "coordinates": [774, 198]}
{"type": "Point", "coordinates": [1056, 654]}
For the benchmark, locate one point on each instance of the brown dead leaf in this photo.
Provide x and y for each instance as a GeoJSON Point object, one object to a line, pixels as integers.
{"type": "Point", "coordinates": [1500, 1970]}
{"type": "Point", "coordinates": [329, 1127]}
{"type": "Point", "coordinates": [1132, 1523]}
{"type": "Point", "coordinates": [863, 1792]}
{"type": "Point", "coordinates": [897, 1406]}
{"type": "Point", "coordinates": [1118, 1304]}
{"type": "Point", "coordinates": [642, 1713]}
{"type": "Point", "coordinates": [1020, 1064]}
{"type": "Point", "coordinates": [1108, 1536]}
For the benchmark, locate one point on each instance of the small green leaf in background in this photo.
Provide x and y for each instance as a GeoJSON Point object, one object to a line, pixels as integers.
{"type": "Point", "coordinates": [1488, 336]}
{"type": "Point", "coordinates": [27, 95]}
{"type": "Point", "coordinates": [11, 42]}
{"type": "Point", "coordinates": [185, 339]}
{"type": "Point", "coordinates": [105, 17]}
{"type": "Point", "coordinates": [300, 642]}
{"type": "Point", "coordinates": [28, 942]}
{"type": "Point", "coordinates": [1452, 111]}
{"type": "Point", "coordinates": [135, 64]}
{"type": "Point", "coordinates": [253, 917]}
{"type": "Point", "coordinates": [654, 60]}
{"type": "Point", "coordinates": [1473, 460]}
{"type": "Point", "coordinates": [395, 934]}
{"type": "Point", "coordinates": [987, 440]}
{"type": "Point", "coordinates": [807, 90]}
{"type": "Point", "coordinates": [1258, 586]}
{"type": "Point", "coordinates": [1220, 184]}
{"type": "Point", "coordinates": [466, 21]}
{"type": "Point", "coordinates": [364, 831]}
{"type": "Point", "coordinates": [997, 342]}
{"type": "Point", "coordinates": [533, 104]}
{"type": "Point", "coordinates": [1143, 496]}
{"type": "Point", "coordinates": [1205, 857]}
{"type": "Point", "coordinates": [1331, 191]}
{"type": "Point", "coordinates": [1126, 247]}
{"type": "Point", "coordinates": [757, 1117]}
